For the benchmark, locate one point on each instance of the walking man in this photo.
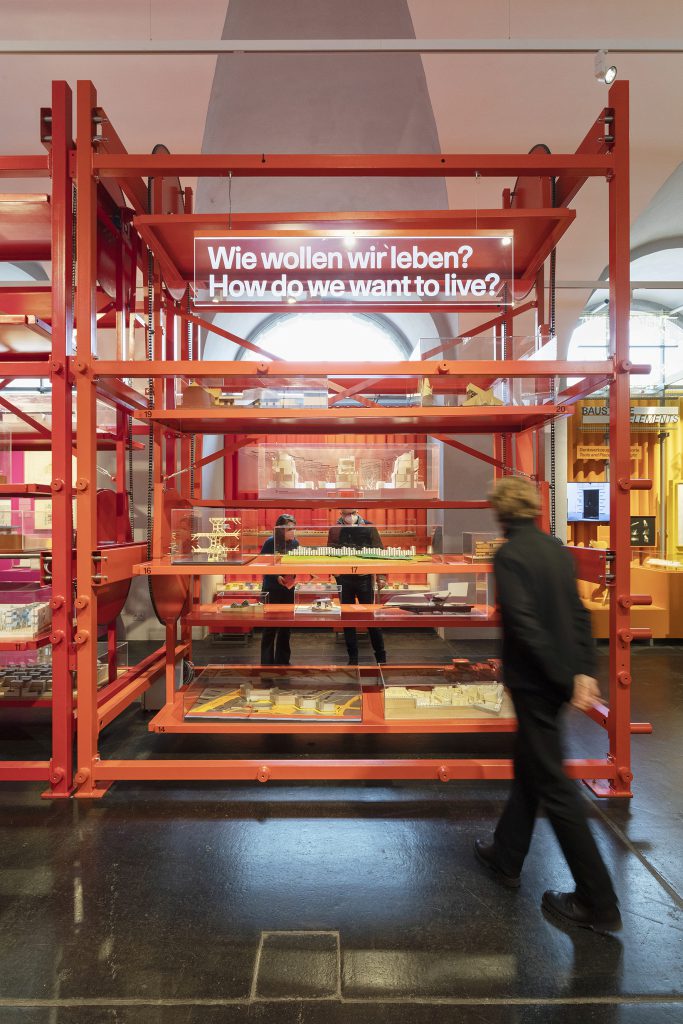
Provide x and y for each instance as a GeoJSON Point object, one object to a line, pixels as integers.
{"type": "Point", "coordinates": [548, 660]}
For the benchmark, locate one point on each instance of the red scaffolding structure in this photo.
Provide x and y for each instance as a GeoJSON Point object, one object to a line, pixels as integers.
{"type": "Point", "coordinates": [153, 230]}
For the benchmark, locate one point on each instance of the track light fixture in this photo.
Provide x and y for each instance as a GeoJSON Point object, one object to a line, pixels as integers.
{"type": "Point", "coordinates": [603, 73]}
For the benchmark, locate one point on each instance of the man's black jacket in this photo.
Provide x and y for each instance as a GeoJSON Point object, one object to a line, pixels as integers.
{"type": "Point", "coordinates": [546, 629]}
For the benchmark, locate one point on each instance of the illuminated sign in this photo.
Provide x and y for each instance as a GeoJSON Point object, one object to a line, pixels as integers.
{"type": "Point", "coordinates": [643, 417]}
{"type": "Point", "coordinates": [317, 270]}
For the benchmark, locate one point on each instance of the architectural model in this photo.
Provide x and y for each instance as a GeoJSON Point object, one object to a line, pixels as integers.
{"type": "Point", "coordinates": [25, 678]}
{"type": "Point", "coordinates": [479, 396]}
{"type": "Point", "coordinates": [25, 620]}
{"type": "Point", "coordinates": [222, 542]}
{"type": "Point", "coordinates": [443, 701]}
{"type": "Point", "coordinates": [260, 701]}
{"type": "Point", "coordinates": [326, 551]}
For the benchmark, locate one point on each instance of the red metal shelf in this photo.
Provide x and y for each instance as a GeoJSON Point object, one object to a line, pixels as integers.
{"type": "Point", "coordinates": [418, 420]}
{"type": "Point", "coordinates": [357, 615]}
{"type": "Point", "coordinates": [25, 645]}
{"type": "Point", "coordinates": [25, 491]}
{"type": "Point", "coordinates": [170, 719]}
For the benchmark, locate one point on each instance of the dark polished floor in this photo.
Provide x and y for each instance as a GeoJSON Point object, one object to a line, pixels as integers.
{"type": "Point", "coordinates": [326, 903]}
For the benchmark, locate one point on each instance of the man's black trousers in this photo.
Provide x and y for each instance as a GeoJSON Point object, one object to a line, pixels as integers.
{"type": "Point", "coordinates": [361, 589]}
{"type": "Point", "coordinates": [540, 778]}
{"type": "Point", "coordinates": [275, 648]}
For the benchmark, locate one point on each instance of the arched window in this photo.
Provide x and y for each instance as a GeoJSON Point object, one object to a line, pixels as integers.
{"type": "Point", "coordinates": [352, 337]}
{"type": "Point", "coordinates": [656, 339]}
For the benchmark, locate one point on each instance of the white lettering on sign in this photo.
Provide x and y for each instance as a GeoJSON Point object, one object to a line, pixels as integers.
{"type": "Point", "coordinates": [365, 266]}
{"type": "Point", "coordinates": [641, 415]}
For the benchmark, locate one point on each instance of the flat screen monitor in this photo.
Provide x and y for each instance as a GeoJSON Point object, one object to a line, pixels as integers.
{"type": "Point", "coordinates": [588, 503]}
{"type": "Point", "coordinates": [643, 531]}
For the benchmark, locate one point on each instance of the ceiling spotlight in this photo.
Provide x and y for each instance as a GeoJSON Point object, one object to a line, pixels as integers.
{"type": "Point", "coordinates": [349, 239]}
{"type": "Point", "coordinates": [603, 73]}
{"type": "Point", "coordinates": [506, 240]}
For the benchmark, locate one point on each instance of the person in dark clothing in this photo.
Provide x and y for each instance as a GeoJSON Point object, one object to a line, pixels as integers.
{"type": "Point", "coordinates": [353, 531]}
{"type": "Point", "coordinates": [275, 646]}
{"type": "Point", "coordinates": [548, 661]}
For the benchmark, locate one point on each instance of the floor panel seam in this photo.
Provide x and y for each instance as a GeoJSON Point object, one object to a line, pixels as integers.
{"type": "Point", "coordinates": [657, 875]}
{"type": "Point", "coordinates": [123, 1001]}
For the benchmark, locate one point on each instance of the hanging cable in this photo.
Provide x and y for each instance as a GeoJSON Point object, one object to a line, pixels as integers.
{"type": "Point", "coordinates": [150, 396]}
{"type": "Point", "coordinates": [552, 323]}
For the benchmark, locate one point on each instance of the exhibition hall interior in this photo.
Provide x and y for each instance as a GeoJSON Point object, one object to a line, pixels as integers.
{"type": "Point", "coordinates": [341, 512]}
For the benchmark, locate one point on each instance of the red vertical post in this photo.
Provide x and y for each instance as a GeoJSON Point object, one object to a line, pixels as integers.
{"type": "Point", "coordinates": [61, 769]}
{"type": "Point", "coordinates": [620, 435]}
{"type": "Point", "coordinates": [86, 442]}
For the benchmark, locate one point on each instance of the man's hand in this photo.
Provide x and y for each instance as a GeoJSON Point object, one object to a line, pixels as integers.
{"type": "Point", "coordinates": [586, 692]}
{"type": "Point", "coordinates": [287, 581]}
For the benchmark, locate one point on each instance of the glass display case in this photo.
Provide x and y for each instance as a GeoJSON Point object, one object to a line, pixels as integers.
{"type": "Point", "coordinates": [19, 533]}
{"type": "Point", "coordinates": [279, 393]}
{"type": "Point", "coordinates": [249, 602]}
{"type": "Point", "coordinates": [305, 471]}
{"type": "Point", "coordinates": [274, 694]}
{"type": "Point", "coordinates": [467, 594]}
{"type": "Point", "coordinates": [480, 547]}
{"type": "Point", "coordinates": [486, 346]}
{"type": "Point", "coordinates": [406, 543]}
{"type": "Point", "coordinates": [317, 598]}
{"type": "Point", "coordinates": [206, 535]}
{"type": "Point", "coordinates": [461, 690]}
{"type": "Point", "coordinates": [110, 667]}
{"type": "Point", "coordinates": [24, 620]}
{"type": "Point", "coordinates": [26, 674]}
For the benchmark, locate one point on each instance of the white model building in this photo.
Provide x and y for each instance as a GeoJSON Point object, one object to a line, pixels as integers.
{"type": "Point", "coordinates": [223, 538]}
{"type": "Point", "coordinates": [328, 551]}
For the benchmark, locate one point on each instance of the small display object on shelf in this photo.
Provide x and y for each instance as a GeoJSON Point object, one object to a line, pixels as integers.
{"type": "Point", "coordinates": [206, 535]}
{"type": "Point", "coordinates": [317, 598]}
{"type": "Point", "coordinates": [480, 547]}
{"type": "Point", "coordinates": [339, 543]}
{"type": "Point", "coordinates": [461, 690]}
{"type": "Point", "coordinates": [643, 531]}
{"type": "Point", "coordinates": [305, 471]}
{"type": "Point", "coordinates": [228, 590]}
{"type": "Point", "coordinates": [281, 393]}
{"type": "Point", "coordinates": [664, 563]}
{"type": "Point", "coordinates": [587, 502]}
{"type": "Point", "coordinates": [25, 674]}
{"type": "Point", "coordinates": [476, 396]}
{"type": "Point", "coordinates": [468, 595]}
{"type": "Point", "coordinates": [245, 603]}
{"type": "Point", "coordinates": [24, 621]}
{"type": "Point", "coordinates": [274, 694]}
{"type": "Point", "coordinates": [110, 668]}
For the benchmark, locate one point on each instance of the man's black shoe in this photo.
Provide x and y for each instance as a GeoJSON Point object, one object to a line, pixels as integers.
{"type": "Point", "coordinates": [352, 661]}
{"type": "Point", "coordinates": [566, 906]}
{"type": "Point", "coordinates": [484, 854]}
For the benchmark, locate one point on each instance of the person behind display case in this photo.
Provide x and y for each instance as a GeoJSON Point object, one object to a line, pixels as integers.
{"type": "Point", "coordinates": [275, 645]}
{"type": "Point", "coordinates": [548, 661]}
{"type": "Point", "coordinates": [352, 531]}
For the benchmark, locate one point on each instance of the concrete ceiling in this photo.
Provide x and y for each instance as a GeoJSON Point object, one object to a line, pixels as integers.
{"type": "Point", "coordinates": [465, 102]}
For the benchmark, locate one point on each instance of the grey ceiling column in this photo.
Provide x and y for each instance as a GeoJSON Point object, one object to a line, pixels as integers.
{"type": "Point", "coordinates": [320, 103]}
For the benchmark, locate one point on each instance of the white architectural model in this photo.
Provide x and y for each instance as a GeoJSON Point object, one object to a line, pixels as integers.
{"type": "Point", "coordinates": [25, 620]}
{"type": "Point", "coordinates": [480, 696]}
{"type": "Point", "coordinates": [223, 530]}
{"type": "Point", "coordinates": [349, 552]}
{"type": "Point", "coordinates": [405, 471]}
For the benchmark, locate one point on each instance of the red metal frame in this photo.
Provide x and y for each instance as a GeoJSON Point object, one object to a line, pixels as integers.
{"type": "Point", "coordinates": [58, 771]}
{"type": "Point", "coordinates": [517, 445]}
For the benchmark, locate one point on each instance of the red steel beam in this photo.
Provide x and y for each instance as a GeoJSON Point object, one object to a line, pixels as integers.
{"type": "Point", "coordinates": [353, 769]}
{"type": "Point", "coordinates": [466, 368]}
{"type": "Point", "coordinates": [373, 165]}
